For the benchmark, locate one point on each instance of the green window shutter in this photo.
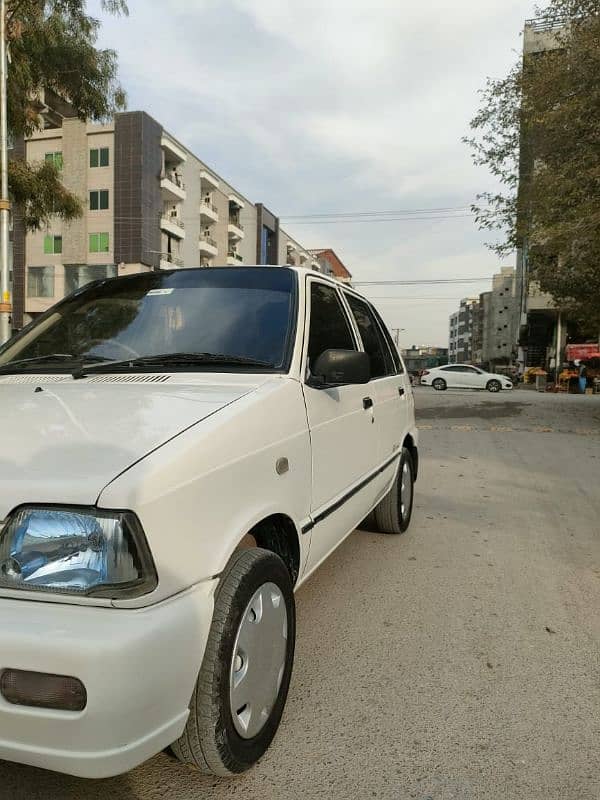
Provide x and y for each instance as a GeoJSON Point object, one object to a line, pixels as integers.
{"type": "Point", "coordinates": [58, 244]}
{"type": "Point", "coordinates": [93, 242]}
{"type": "Point", "coordinates": [94, 201]}
{"type": "Point", "coordinates": [93, 158]}
{"type": "Point", "coordinates": [49, 158]}
{"type": "Point", "coordinates": [58, 161]}
{"type": "Point", "coordinates": [48, 245]}
{"type": "Point", "coordinates": [103, 242]}
{"type": "Point", "coordinates": [104, 157]}
{"type": "Point", "coordinates": [104, 199]}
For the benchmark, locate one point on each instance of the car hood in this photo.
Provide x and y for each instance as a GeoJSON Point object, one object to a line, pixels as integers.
{"type": "Point", "coordinates": [64, 440]}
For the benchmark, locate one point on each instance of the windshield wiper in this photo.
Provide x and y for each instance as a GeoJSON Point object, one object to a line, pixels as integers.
{"type": "Point", "coordinates": [173, 359]}
{"type": "Point", "coordinates": [51, 358]}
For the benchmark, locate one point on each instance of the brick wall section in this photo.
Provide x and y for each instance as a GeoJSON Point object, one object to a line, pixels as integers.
{"type": "Point", "coordinates": [339, 270]}
{"type": "Point", "coordinates": [138, 201]}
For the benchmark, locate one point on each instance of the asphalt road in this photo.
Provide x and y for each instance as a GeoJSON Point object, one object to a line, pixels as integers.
{"type": "Point", "coordinates": [457, 661]}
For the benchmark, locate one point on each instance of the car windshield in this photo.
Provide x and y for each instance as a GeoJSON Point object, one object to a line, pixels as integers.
{"type": "Point", "coordinates": [246, 314]}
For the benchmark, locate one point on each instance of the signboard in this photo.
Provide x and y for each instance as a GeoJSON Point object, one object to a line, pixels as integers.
{"type": "Point", "coordinates": [581, 352]}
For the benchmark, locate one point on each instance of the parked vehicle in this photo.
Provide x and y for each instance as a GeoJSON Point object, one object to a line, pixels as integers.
{"type": "Point", "coordinates": [464, 376]}
{"type": "Point", "coordinates": [181, 450]}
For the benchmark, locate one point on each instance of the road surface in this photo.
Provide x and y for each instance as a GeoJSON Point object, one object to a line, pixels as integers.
{"type": "Point", "coordinates": [457, 661]}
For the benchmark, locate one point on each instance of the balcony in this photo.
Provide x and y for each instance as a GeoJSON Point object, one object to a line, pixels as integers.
{"type": "Point", "coordinates": [235, 229]}
{"type": "Point", "coordinates": [173, 187]}
{"type": "Point", "coordinates": [173, 152]}
{"type": "Point", "coordinates": [174, 226]}
{"type": "Point", "coordinates": [168, 261]}
{"type": "Point", "coordinates": [207, 245]}
{"type": "Point", "coordinates": [208, 182]}
{"type": "Point", "coordinates": [233, 258]}
{"type": "Point", "coordinates": [208, 212]}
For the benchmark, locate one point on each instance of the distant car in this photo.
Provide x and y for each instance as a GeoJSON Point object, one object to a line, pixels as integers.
{"type": "Point", "coordinates": [464, 376]}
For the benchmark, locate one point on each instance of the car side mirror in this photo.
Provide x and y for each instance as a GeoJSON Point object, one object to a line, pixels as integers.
{"type": "Point", "coordinates": [337, 367]}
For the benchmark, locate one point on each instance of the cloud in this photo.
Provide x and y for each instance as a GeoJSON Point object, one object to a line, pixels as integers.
{"type": "Point", "coordinates": [333, 106]}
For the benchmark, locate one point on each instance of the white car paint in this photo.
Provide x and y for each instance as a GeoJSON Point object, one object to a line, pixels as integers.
{"type": "Point", "coordinates": [194, 457]}
{"type": "Point", "coordinates": [464, 376]}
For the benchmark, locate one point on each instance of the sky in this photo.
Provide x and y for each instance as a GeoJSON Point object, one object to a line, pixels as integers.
{"type": "Point", "coordinates": [337, 106]}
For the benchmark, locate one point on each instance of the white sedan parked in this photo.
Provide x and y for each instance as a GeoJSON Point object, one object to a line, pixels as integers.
{"type": "Point", "coordinates": [464, 376]}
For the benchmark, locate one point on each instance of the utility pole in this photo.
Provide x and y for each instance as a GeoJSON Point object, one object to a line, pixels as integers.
{"type": "Point", "coordinates": [5, 298]}
{"type": "Point", "coordinates": [396, 332]}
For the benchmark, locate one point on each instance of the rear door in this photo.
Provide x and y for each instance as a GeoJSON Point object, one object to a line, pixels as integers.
{"type": "Point", "coordinates": [343, 429]}
{"type": "Point", "coordinates": [389, 385]}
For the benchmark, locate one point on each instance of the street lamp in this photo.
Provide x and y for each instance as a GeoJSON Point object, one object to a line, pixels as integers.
{"type": "Point", "coordinates": [5, 302]}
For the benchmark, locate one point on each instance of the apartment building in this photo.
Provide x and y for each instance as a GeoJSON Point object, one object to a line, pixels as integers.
{"type": "Point", "coordinates": [462, 324]}
{"type": "Point", "coordinates": [453, 338]}
{"type": "Point", "coordinates": [538, 324]}
{"type": "Point", "coordinates": [331, 264]}
{"type": "Point", "coordinates": [420, 357]}
{"type": "Point", "coordinates": [149, 203]}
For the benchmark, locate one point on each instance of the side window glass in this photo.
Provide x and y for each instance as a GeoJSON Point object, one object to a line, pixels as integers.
{"type": "Point", "coordinates": [329, 326]}
{"type": "Point", "coordinates": [397, 361]}
{"type": "Point", "coordinates": [373, 341]}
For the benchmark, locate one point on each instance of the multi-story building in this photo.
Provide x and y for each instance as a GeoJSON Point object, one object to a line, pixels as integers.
{"type": "Point", "coordinates": [539, 319]}
{"type": "Point", "coordinates": [462, 324]}
{"type": "Point", "coordinates": [331, 264]}
{"type": "Point", "coordinates": [149, 203]}
{"type": "Point", "coordinates": [453, 338]}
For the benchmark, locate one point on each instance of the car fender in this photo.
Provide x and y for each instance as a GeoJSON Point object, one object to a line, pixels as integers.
{"type": "Point", "coordinates": [200, 493]}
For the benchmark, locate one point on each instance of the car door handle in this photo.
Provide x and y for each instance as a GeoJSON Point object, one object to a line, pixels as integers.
{"type": "Point", "coordinates": [367, 403]}
{"type": "Point", "coordinates": [401, 391]}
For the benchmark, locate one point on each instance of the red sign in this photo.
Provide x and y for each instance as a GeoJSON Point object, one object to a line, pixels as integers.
{"type": "Point", "coordinates": [581, 352]}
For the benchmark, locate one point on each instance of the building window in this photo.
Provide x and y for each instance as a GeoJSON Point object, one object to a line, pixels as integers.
{"type": "Point", "coordinates": [77, 275]}
{"type": "Point", "coordinates": [52, 245]}
{"type": "Point", "coordinates": [99, 157]}
{"type": "Point", "coordinates": [40, 282]}
{"type": "Point", "coordinates": [99, 243]}
{"type": "Point", "coordinates": [99, 200]}
{"type": "Point", "coordinates": [55, 158]}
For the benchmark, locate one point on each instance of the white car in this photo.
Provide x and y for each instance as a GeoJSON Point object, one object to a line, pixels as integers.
{"type": "Point", "coordinates": [180, 451]}
{"type": "Point", "coordinates": [464, 376]}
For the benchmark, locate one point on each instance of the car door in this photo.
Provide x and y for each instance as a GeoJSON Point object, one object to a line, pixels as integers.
{"type": "Point", "coordinates": [343, 428]}
{"type": "Point", "coordinates": [389, 386]}
{"type": "Point", "coordinates": [472, 378]}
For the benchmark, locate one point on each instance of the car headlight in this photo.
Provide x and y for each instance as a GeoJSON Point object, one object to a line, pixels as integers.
{"type": "Point", "coordinates": [76, 551]}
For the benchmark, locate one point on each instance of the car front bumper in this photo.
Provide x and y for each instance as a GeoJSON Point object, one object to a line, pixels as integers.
{"type": "Point", "coordinates": [139, 668]}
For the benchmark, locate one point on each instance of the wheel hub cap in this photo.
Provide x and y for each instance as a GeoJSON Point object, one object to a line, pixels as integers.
{"type": "Point", "coordinates": [258, 661]}
{"type": "Point", "coordinates": [406, 490]}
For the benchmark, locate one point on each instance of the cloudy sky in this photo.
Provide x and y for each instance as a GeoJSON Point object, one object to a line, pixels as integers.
{"type": "Point", "coordinates": [336, 106]}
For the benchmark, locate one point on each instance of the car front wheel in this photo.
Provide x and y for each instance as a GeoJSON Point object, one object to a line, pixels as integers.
{"type": "Point", "coordinates": [439, 384]}
{"type": "Point", "coordinates": [393, 513]}
{"type": "Point", "coordinates": [243, 683]}
{"type": "Point", "coordinates": [493, 386]}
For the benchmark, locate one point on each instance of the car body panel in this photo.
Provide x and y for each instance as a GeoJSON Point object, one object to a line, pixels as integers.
{"type": "Point", "coordinates": [63, 444]}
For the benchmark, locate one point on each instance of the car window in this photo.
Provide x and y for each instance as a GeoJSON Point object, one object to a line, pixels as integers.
{"type": "Point", "coordinates": [397, 361]}
{"type": "Point", "coordinates": [372, 337]}
{"type": "Point", "coordinates": [329, 326]}
{"type": "Point", "coordinates": [452, 369]}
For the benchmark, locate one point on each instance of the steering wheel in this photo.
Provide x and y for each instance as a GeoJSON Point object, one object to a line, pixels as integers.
{"type": "Point", "coordinates": [128, 350]}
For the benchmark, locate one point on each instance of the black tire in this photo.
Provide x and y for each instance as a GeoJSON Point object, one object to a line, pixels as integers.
{"type": "Point", "coordinates": [388, 512]}
{"type": "Point", "coordinates": [494, 386]}
{"type": "Point", "coordinates": [210, 741]}
{"type": "Point", "coordinates": [440, 384]}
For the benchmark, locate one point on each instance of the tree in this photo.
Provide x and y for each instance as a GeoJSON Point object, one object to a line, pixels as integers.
{"type": "Point", "coordinates": [53, 48]}
{"type": "Point", "coordinates": [537, 131]}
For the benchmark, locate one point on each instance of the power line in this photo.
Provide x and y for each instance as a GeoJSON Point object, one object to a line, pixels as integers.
{"type": "Point", "coordinates": [422, 282]}
{"type": "Point", "coordinates": [397, 212]}
{"type": "Point", "coordinates": [377, 219]}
